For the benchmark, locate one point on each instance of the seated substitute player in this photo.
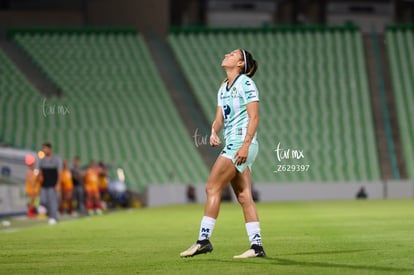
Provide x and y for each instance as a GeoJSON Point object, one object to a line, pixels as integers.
{"type": "Point", "coordinates": [238, 112]}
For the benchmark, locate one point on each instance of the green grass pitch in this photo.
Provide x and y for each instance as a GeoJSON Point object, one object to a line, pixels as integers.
{"type": "Point", "coordinates": [330, 237]}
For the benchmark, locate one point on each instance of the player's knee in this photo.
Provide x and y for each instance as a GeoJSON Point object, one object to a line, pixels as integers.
{"type": "Point", "coordinates": [244, 198]}
{"type": "Point", "coordinates": [211, 189]}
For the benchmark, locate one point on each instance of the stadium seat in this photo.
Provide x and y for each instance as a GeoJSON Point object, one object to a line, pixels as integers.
{"type": "Point", "coordinates": [120, 110]}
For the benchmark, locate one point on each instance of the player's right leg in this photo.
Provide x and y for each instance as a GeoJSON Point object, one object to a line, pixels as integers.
{"type": "Point", "coordinates": [222, 172]}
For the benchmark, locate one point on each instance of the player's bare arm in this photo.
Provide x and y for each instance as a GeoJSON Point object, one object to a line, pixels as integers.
{"type": "Point", "coordinates": [216, 127]}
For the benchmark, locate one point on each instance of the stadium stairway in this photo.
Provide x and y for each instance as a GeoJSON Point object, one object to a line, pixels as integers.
{"type": "Point", "coordinates": [187, 105]}
{"type": "Point", "coordinates": [28, 68]}
{"type": "Point", "coordinates": [400, 40]}
{"type": "Point", "coordinates": [391, 159]}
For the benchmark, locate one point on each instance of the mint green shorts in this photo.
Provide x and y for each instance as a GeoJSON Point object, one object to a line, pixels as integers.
{"type": "Point", "coordinates": [229, 151]}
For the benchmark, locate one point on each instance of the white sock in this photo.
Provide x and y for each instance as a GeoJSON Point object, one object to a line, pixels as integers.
{"type": "Point", "coordinates": [206, 228]}
{"type": "Point", "coordinates": [253, 231]}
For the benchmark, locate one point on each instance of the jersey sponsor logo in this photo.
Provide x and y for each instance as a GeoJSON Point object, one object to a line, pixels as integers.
{"type": "Point", "coordinates": [223, 96]}
{"type": "Point", "coordinates": [227, 111]}
{"type": "Point", "coordinates": [234, 93]}
{"type": "Point", "coordinates": [251, 94]}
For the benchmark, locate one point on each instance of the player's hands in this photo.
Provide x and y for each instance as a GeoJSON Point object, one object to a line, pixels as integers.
{"type": "Point", "coordinates": [214, 139]}
{"type": "Point", "coordinates": [241, 155]}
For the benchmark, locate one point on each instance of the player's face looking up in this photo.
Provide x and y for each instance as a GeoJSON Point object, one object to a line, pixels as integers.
{"type": "Point", "coordinates": [233, 59]}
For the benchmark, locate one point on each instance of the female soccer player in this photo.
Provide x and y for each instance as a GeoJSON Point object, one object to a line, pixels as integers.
{"type": "Point", "coordinates": [238, 112]}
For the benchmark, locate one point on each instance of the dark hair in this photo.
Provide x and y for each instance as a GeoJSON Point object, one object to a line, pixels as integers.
{"type": "Point", "coordinates": [250, 65]}
{"type": "Point", "coordinates": [47, 144]}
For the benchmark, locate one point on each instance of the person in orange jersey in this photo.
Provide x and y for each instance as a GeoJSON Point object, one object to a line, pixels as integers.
{"type": "Point", "coordinates": [93, 198]}
{"type": "Point", "coordinates": [66, 184]}
{"type": "Point", "coordinates": [33, 183]}
{"type": "Point", "coordinates": [102, 179]}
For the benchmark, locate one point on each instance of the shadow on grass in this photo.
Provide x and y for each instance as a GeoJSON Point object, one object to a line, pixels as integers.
{"type": "Point", "coordinates": [327, 252]}
{"type": "Point", "coordinates": [282, 261]}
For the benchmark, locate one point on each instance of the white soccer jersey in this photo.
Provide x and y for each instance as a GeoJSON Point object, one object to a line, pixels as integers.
{"type": "Point", "coordinates": [233, 103]}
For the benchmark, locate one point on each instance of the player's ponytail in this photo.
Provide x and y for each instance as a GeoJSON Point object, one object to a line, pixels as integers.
{"type": "Point", "coordinates": [253, 68]}
{"type": "Point", "coordinates": [250, 65]}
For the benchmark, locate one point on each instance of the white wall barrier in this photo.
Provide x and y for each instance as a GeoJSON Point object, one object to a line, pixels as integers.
{"type": "Point", "coordinates": [399, 189]}
{"type": "Point", "coordinates": [12, 177]}
{"type": "Point", "coordinates": [317, 191]}
{"type": "Point", "coordinates": [166, 194]}
{"type": "Point", "coordinates": [12, 199]}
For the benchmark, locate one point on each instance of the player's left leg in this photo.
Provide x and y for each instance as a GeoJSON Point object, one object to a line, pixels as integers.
{"type": "Point", "coordinates": [242, 186]}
